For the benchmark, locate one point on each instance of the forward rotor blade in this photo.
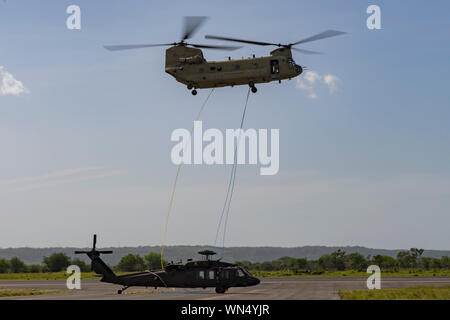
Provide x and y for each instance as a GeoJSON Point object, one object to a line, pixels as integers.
{"type": "Point", "coordinates": [322, 35]}
{"type": "Point", "coordinates": [135, 46]}
{"type": "Point", "coordinates": [79, 252]}
{"type": "Point", "coordinates": [229, 48]}
{"type": "Point", "coordinates": [241, 40]}
{"type": "Point", "coordinates": [94, 242]}
{"type": "Point", "coordinates": [306, 51]}
{"type": "Point", "coordinates": [191, 24]}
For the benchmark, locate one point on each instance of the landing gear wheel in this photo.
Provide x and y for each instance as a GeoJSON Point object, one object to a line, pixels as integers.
{"type": "Point", "coordinates": [194, 92]}
{"type": "Point", "coordinates": [221, 290]}
{"type": "Point", "coordinates": [190, 86]}
{"type": "Point", "coordinates": [122, 290]}
{"type": "Point", "coordinates": [254, 89]}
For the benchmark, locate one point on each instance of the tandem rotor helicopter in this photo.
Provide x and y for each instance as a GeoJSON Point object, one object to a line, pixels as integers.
{"type": "Point", "coordinates": [185, 61]}
{"type": "Point", "coordinates": [192, 274]}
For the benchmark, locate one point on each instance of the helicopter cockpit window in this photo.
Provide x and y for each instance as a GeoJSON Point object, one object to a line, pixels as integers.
{"type": "Point", "coordinates": [246, 272]}
{"type": "Point", "coordinates": [201, 274]}
{"type": "Point", "coordinates": [211, 275]}
{"type": "Point", "coordinates": [240, 273]}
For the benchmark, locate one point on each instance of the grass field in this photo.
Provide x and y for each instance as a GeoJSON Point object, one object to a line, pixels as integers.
{"type": "Point", "coordinates": [4, 292]}
{"type": "Point", "coordinates": [259, 274]}
{"type": "Point", "coordinates": [413, 293]}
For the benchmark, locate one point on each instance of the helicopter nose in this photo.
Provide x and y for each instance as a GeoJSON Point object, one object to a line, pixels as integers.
{"type": "Point", "coordinates": [255, 281]}
{"type": "Point", "coordinates": [298, 69]}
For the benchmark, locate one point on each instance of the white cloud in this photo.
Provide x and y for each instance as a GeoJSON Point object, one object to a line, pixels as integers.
{"type": "Point", "coordinates": [311, 78]}
{"type": "Point", "coordinates": [331, 81]}
{"type": "Point", "coordinates": [9, 85]}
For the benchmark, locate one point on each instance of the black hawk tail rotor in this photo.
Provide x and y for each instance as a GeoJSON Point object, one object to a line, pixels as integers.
{"type": "Point", "coordinates": [94, 252]}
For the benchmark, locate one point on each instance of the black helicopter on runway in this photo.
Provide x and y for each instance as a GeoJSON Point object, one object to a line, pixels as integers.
{"type": "Point", "coordinates": [204, 273]}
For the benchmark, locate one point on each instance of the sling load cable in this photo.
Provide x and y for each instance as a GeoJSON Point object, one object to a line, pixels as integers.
{"type": "Point", "coordinates": [175, 184]}
{"type": "Point", "coordinates": [230, 190]}
{"type": "Point", "coordinates": [233, 174]}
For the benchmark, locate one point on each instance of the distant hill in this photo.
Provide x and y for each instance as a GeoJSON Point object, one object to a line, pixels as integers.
{"type": "Point", "coordinates": [175, 253]}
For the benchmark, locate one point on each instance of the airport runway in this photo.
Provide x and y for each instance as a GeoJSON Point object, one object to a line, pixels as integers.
{"type": "Point", "coordinates": [300, 288]}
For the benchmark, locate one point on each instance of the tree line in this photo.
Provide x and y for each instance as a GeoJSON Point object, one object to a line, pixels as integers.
{"type": "Point", "coordinates": [58, 262]}
{"type": "Point", "coordinates": [336, 261]}
{"type": "Point", "coordinates": [340, 260]}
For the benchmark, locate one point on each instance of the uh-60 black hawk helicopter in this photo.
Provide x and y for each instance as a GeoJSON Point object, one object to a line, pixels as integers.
{"type": "Point", "coordinates": [204, 273]}
{"type": "Point", "coordinates": [185, 61]}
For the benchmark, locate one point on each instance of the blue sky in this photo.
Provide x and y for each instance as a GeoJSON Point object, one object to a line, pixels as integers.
{"type": "Point", "coordinates": [87, 148]}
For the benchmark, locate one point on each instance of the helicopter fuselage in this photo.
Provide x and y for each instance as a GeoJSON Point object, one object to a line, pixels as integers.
{"type": "Point", "coordinates": [194, 274]}
{"type": "Point", "coordinates": [188, 66]}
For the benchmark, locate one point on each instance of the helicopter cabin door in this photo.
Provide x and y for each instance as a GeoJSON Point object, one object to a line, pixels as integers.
{"type": "Point", "coordinates": [227, 275]}
{"type": "Point", "coordinates": [274, 69]}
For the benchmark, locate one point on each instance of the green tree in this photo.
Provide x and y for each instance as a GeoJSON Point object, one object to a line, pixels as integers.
{"type": "Point", "coordinates": [338, 258]}
{"type": "Point", "coordinates": [34, 268]}
{"type": "Point", "coordinates": [445, 262]}
{"type": "Point", "coordinates": [326, 262]}
{"type": "Point", "coordinates": [153, 261]}
{"type": "Point", "coordinates": [84, 267]}
{"type": "Point", "coordinates": [356, 261]}
{"type": "Point", "coordinates": [246, 264]}
{"type": "Point", "coordinates": [436, 263]}
{"type": "Point", "coordinates": [131, 262]}
{"type": "Point", "coordinates": [426, 263]}
{"type": "Point", "coordinates": [267, 266]}
{"type": "Point", "coordinates": [415, 254]}
{"type": "Point", "coordinates": [384, 262]}
{"type": "Point", "coordinates": [4, 266]}
{"type": "Point", "coordinates": [17, 265]}
{"type": "Point", "coordinates": [406, 260]}
{"type": "Point", "coordinates": [56, 262]}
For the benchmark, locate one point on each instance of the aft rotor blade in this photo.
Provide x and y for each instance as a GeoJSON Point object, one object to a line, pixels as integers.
{"type": "Point", "coordinates": [306, 51]}
{"type": "Point", "coordinates": [322, 35]}
{"type": "Point", "coordinates": [191, 24]}
{"type": "Point", "coordinates": [135, 46]}
{"type": "Point", "coordinates": [94, 242]}
{"type": "Point", "coordinates": [229, 48]}
{"type": "Point", "coordinates": [242, 40]}
{"type": "Point", "coordinates": [105, 252]}
{"type": "Point", "coordinates": [79, 252]}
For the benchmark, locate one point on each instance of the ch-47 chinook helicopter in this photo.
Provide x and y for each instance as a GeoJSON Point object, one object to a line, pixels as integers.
{"type": "Point", "coordinates": [185, 61]}
{"type": "Point", "coordinates": [191, 274]}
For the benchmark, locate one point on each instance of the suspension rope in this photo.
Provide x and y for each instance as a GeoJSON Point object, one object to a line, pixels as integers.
{"type": "Point", "coordinates": [175, 184]}
{"type": "Point", "coordinates": [230, 190]}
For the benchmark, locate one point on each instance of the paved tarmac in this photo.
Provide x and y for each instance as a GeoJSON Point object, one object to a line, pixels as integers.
{"type": "Point", "coordinates": [288, 288]}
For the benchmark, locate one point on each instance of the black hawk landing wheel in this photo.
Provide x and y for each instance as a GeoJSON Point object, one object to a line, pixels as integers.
{"type": "Point", "coordinates": [221, 290]}
{"type": "Point", "coordinates": [194, 92]}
